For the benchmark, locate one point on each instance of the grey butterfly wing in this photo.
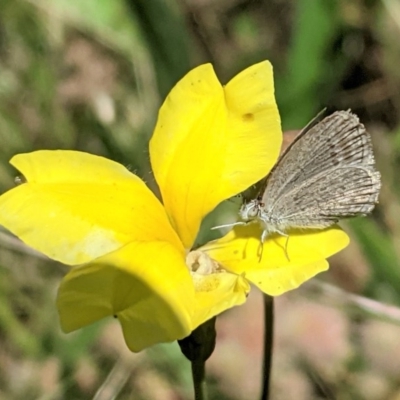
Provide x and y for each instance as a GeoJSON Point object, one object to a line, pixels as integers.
{"type": "Point", "coordinates": [326, 174]}
{"type": "Point", "coordinates": [259, 187]}
{"type": "Point", "coordinates": [328, 197]}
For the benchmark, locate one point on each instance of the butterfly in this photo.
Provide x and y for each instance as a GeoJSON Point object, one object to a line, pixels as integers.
{"type": "Point", "coordinates": [326, 174]}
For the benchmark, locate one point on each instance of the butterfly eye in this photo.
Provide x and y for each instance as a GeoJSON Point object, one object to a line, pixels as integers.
{"type": "Point", "coordinates": [253, 212]}
{"type": "Point", "coordinates": [249, 210]}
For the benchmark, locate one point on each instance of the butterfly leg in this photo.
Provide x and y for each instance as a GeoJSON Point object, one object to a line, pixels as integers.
{"type": "Point", "coordinates": [286, 243]}
{"type": "Point", "coordinates": [263, 238]}
{"type": "Point", "coordinates": [261, 245]}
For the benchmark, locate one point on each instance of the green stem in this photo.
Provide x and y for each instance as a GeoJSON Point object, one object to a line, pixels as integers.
{"type": "Point", "coordinates": [199, 380]}
{"type": "Point", "coordinates": [268, 344]}
{"type": "Point", "coordinates": [197, 347]}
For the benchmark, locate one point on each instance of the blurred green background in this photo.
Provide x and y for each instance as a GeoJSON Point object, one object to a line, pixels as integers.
{"type": "Point", "coordinates": [90, 75]}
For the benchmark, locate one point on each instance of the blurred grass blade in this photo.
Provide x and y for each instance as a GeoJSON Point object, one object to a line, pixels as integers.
{"type": "Point", "coordinates": [166, 36]}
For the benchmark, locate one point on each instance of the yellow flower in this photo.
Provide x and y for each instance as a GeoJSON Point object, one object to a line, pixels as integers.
{"type": "Point", "coordinates": [131, 253]}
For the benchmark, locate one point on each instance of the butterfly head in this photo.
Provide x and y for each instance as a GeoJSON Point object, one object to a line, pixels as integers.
{"type": "Point", "coordinates": [251, 210]}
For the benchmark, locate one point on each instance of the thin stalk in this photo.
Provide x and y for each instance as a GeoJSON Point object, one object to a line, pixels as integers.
{"type": "Point", "coordinates": [268, 344]}
{"type": "Point", "coordinates": [197, 348]}
{"type": "Point", "coordinates": [199, 380]}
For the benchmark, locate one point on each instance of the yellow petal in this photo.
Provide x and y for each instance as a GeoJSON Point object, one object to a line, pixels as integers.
{"type": "Point", "coordinates": [216, 290]}
{"type": "Point", "coordinates": [211, 143]}
{"type": "Point", "coordinates": [147, 286]}
{"type": "Point", "coordinates": [275, 274]}
{"type": "Point", "coordinates": [254, 135]}
{"type": "Point", "coordinates": [216, 294]}
{"type": "Point", "coordinates": [77, 206]}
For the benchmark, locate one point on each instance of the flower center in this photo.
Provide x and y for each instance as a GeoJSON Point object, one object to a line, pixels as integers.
{"type": "Point", "coordinates": [201, 263]}
{"type": "Point", "coordinates": [204, 270]}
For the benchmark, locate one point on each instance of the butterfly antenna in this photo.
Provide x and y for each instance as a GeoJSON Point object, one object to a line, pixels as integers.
{"type": "Point", "coordinates": [229, 225]}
